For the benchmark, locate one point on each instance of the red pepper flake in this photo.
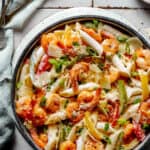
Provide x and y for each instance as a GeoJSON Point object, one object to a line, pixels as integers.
{"type": "Point", "coordinates": [44, 64]}
{"type": "Point", "coordinates": [128, 55]}
{"type": "Point", "coordinates": [138, 131]}
{"type": "Point", "coordinates": [116, 114]}
{"type": "Point", "coordinates": [66, 50]}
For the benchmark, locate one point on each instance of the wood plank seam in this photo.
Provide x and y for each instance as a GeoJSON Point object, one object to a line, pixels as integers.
{"type": "Point", "coordinates": [108, 7]}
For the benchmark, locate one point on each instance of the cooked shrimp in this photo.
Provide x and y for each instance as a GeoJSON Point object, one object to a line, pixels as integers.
{"type": "Point", "coordinates": [143, 60]}
{"type": "Point", "coordinates": [89, 100]}
{"type": "Point", "coordinates": [39, 140]}
{"type": "Point", "coordinates": [110, 45]}
{"type": "Point", "coordinates": [93, 145]}
{"type": "Point", "coordinates": [46, 39]}
{"type": "Point", "coordinates": [107, 35]}
{"type": "Point", "coordinates": [93, 34]}
{"type": "Point", "coordinates": [85, 97]}
{"type": "Point", "coordinates": [30, 110]}
{"type": "Point", "coordinates": [73, 112]}
{"type": "Point", "coordinates": [53, 103]}
{"type": "Point", "coordinates": [145, 108]}
{"type": "Point", "coordinates": [113, 74]}
{"type": "Point", "coordinates": [75, 72]}
{"type": "Point", "coordinates": [67, 145]}
{"type": "Point", "coordinates": [24, 107]}
{"type": "Point", "coordinates": [128, 133]}
{"type": "Point", "coordinates": [39, 115]}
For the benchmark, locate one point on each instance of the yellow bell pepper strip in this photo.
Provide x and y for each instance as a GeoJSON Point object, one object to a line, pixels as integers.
{"type": "Point", "coordinates": [144, 84]}
{"type": "Point", "coordinates": [122, 95]}
{"type": "Point", "coordinates": [91, 128]}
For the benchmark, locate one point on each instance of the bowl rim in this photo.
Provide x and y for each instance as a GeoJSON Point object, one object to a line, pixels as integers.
{"type": "Point", "coordinates": [117, 23]}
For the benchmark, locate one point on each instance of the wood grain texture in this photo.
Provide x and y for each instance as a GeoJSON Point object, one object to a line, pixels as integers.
{"type": "Point", "coordinates": [120, 4]}
{"type": "Point", "coordinates": [66, 3]}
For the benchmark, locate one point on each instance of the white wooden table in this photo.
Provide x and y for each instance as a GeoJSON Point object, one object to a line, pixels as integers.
{"type": "Point", "coordinates": [135, 11]}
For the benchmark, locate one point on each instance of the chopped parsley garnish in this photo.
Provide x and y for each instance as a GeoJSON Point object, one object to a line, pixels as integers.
{"type": "Point", "coordinates": [75, 44]}
{"type": "Point", "coordinates": [65, 130]}
{"type": "Point", "coordinates": [122, 38]}
{"type": "Point", "coordinates": [134, 56]}
{"type": "Point", "coordinates": [106, 90]}
{"type": "Point", "coordinates": [134, 74]}
{"type": "Point", "coordinates": [95, 22]}
{"type": "Point", "coordinates": [106, 127]}
{"type": "Point", "coordinates": [107, 139]}
{"type": "Point", "coordinates": [62, 82]}
{"type": "Point", "coordinates": [101, 66]}
{"type": "Point", "coordinates": [43, 101]}
{"type": "Point", "coordinates": [45, 128]}
{"type": "Point", "coordinates": [58, 63]}
{"type": "Point", "coordinates": [127, 48]}
{"type": "Point", "coordinates": [91, 51]}
{"type": "Point", "coordinates": [145, 126]}
{"type": "Point", "coordinates": [121, 147]}
{"type": "Point", "coordinates": [122, 121]}
{"type": "Point", "coordinates": [92, 24]}
{"type": "Point", "coordinates": [18, 85]}
{"type": "Point", "coordinates": [137, 100]}
{"type": "Point", "coordinates": [79, 130]}
{"type": "Point", "coordinates": [119, 54]}
{"type": "Point", "coordinates": [66, 103]}
{"type": "Point", "coordinates": [49, 84]}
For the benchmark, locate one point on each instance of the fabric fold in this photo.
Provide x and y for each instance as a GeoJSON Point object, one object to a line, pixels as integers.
{"type": "Point", "coordinates": [18, 13]}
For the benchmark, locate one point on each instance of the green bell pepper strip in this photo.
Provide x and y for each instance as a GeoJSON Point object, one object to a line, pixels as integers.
{"type": "Point", "coordinates": [122, 95]}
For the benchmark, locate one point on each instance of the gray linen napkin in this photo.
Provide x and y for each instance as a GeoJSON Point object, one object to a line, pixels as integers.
{"type": "Point", "coordinates": [17, 14]}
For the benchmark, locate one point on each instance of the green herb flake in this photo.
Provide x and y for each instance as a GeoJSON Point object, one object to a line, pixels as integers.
{"type": "Point", "coordinates": [91, 51]}
{"type": "Point", "coordinates": [79, 130]}
{"type": "Point", "coordinates": [107, 139]}
{"type": "Point", "coordinates": [45, 128]}
{"type": "Point", "coordinates": [92, 24]}
{"type": "Point", "coordinates": [66, 103]}
{"type": "Point", "coordinates": [49, 84]}
{"type": "Point", "coordinates": [134, 56]}
{"type": "Point", "coordinates": [121, 147]}
{"type": "Point", "coordinates": [18, 85]}
{"type": "Point", "coordinates": [106, 90]}
{"type": "Point", "coordinates": [119, 54]}
{"type": "Point", "coordinates": [95, 22]}
{"type": "Point", "coordinates": [106, 127]}
{"type": "Point", "coordinates": [127, 48]}
{"type": "Point", "coordinates": [62, 83]}
{"type": "Point", "coordinates": [134, 74]}
{"type": "Point", "coordinates": [75, 44]}
{"type": "Point", "coordinates": [101, 66]}
{"type": "Point", "coordinates": [43, 101]}
{"type": "Point", "coordinates": [137, 100]}
{"type": "Point", "coordinates": [58, 63]}
{"type": "Point", "coordinates": [122, 38]}
{"type": "Point", "coordinates": [122, 121]}
{"type": "Point", "coordinates": [145, 126]}
{"type": "Point", "coordinates": [65, 130]}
